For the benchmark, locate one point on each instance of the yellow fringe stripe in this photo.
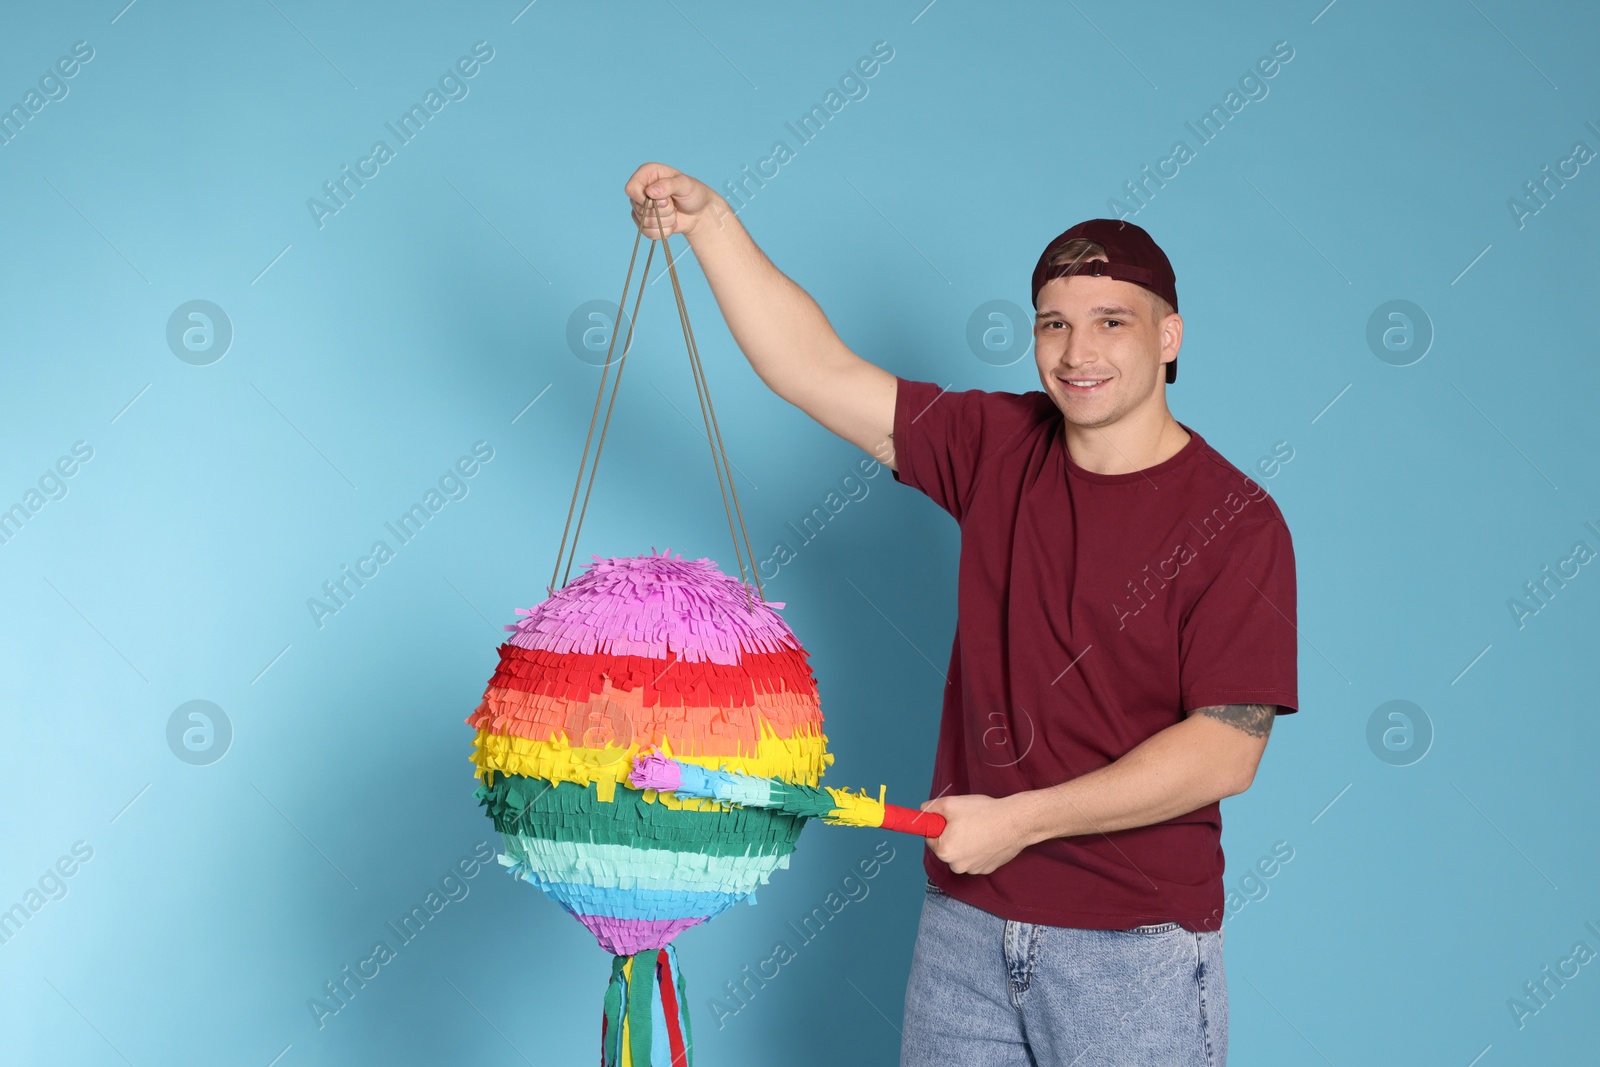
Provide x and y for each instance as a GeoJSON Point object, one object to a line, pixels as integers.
{"type": "Point", "coordinates": [855, 809]}
{"type": "Point", "coordinates": [800, 758]}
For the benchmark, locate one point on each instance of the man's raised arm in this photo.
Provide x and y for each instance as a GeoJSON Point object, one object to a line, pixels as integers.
{"type": "Point", "coordinates": [782, 332]}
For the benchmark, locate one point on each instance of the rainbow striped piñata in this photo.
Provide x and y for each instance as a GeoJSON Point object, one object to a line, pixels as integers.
{"type": "Point", "coordinates": [645, 654]}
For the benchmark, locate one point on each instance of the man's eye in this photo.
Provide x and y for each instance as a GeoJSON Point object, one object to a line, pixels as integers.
{"type": "Point", "coordinates": [1117, 321]}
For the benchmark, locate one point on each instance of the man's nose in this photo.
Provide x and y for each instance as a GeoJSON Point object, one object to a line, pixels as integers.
{"type": "Point", "coordinates": [1078, 349]}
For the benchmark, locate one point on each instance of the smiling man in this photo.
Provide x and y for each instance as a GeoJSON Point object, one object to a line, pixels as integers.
{"type": "Point", "coordinates": [1124, 639]}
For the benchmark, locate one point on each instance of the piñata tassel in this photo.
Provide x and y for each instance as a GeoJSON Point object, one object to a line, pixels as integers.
{"type": "Point", "coordinates": [675, 1005]}
{"type": "Point", "coordinates": [611, 1035]}
{"type": "Point", "coordinates": [646, 1018]}
{"type": "Point", "coordinates": [837, 806]}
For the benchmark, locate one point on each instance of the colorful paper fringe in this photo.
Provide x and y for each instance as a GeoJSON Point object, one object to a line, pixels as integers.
{"type": "Point", "coordinates": [838, 806]}
{"type": "Point", "coordinates": [646, 654]}
{"type": "Point", "coordinates": [685, 781]}
{"type": "Point", "coordinates": [637, 1011]}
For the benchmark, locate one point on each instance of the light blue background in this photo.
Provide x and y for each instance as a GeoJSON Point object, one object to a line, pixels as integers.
{"type": "Point", "coordinates": [429, 312]}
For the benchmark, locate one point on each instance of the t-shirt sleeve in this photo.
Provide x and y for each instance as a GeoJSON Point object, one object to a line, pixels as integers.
{"type": "Point", "coordinates": [1239, 644]}
{"type": "Point", "coordinates": [939, 438]}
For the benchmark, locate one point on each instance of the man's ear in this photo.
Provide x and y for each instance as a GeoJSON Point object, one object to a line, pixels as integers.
{"type": "Point", "coordinates": [1171, 336]}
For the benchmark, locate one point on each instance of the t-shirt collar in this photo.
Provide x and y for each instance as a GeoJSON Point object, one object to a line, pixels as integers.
{"type": "Point", "coordinates": [1178, 458]}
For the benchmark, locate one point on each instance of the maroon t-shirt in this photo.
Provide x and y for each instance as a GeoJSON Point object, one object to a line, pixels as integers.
{"type": "Point", "coordinates": [1093, 610]}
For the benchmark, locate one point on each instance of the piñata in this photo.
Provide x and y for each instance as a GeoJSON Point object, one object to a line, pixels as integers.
{"type": "Point", "coordinates": [656, 654]}
{"type": "Point", "coordinates": [675, 663]}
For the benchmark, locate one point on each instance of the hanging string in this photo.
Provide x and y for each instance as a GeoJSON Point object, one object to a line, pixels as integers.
{"type": "Point", "coordinates": [709, 415]}
{"type": "Point", "coordinates": [719, 457]}
{"type": "Point", "coordinates": [627, 345]}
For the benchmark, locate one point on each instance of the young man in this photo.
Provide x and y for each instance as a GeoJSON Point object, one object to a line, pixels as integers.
{"type": "Point", "coordinates": [1125, 637]}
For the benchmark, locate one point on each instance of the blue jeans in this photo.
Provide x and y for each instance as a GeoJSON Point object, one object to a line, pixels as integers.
{"type": "Point", "coordinates": [987, 992]}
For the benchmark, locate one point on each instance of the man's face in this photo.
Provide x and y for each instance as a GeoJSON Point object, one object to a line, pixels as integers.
{"type": "Point", "coordinates": [1102, 330]}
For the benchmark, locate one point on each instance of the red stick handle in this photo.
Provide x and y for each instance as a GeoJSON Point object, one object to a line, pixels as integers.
{"type": "Point", "coordinates": [912, 820]}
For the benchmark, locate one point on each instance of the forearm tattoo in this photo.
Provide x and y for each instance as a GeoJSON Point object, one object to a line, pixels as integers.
{"type": "Point", "coordinates": [1253, 719]}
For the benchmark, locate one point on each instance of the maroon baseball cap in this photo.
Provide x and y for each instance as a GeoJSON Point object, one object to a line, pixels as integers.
{"type": "Point", "coordinates": [1132, 255]}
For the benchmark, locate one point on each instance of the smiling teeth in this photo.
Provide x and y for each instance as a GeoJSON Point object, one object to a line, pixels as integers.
{"type": "Point", "coordinates": [1092, 381]}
